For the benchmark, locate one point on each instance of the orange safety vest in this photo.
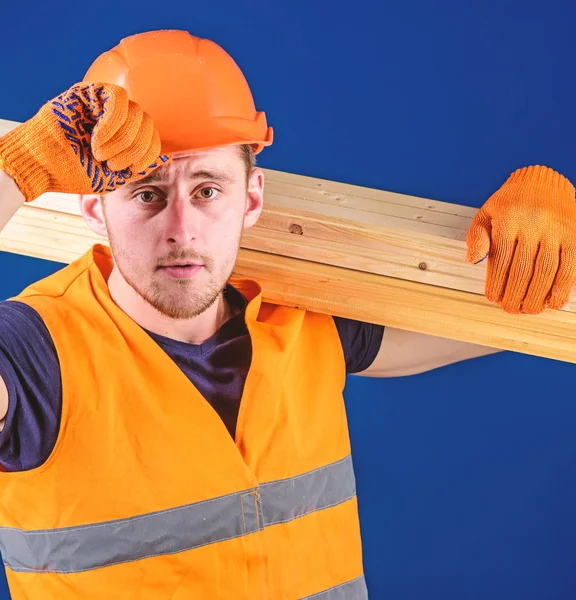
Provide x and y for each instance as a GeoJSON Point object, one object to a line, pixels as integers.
{"type": "Point", "coordinates": [146, 496]}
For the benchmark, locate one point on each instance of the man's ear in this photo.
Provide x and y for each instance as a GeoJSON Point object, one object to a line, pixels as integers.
{"type": "Point", "coordinates": [93, 213]}
{"type": "Point", "coordinates": [255, 198]}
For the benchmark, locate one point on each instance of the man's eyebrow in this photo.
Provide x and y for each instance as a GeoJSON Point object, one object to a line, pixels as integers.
{"type": "Point", "coordinates": [220, 176]}
{"type": "Point", "coordinates": [159, 177]}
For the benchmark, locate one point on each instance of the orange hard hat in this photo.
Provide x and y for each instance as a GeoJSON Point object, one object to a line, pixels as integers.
{"type": "Point", "coordinates": [195, 93]}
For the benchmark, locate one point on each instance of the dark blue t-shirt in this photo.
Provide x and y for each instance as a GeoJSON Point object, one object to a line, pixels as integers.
{"type": "Point", "coordinates": [218, 368]}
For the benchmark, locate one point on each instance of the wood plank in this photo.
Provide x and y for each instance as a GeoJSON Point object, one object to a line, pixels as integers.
{"type": "Point", "coordinates": [354, 242]}
{"type": "Point", "coordinates": [408, 305]}
{"type": "Point", "coordinates": [336, 290]}
{"type": "Point", "coordinates": [346, 250]}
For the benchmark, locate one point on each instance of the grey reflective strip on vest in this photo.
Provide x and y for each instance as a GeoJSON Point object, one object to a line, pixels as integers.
{"type": "Point", "coordinates": [351, 590]}
{"type": "Point", "coordinates": [73, 549]}
{"type": "Point", "coordinates": [289, 499]}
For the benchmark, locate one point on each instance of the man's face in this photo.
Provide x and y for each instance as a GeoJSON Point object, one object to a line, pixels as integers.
{"type": "Point", "coordinates": [190, 212]}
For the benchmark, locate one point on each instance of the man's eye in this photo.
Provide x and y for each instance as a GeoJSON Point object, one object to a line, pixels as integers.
{"type": "Point", "coordinates": [208, 193]}
{"type": "Point", "coordinates": [146, 197]}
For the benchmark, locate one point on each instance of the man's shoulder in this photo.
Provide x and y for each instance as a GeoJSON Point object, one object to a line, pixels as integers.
{"type": "Point", "coordinates": [30, 370]}
{"type": "Point", "coordinates": [360, 341]}
{"type": "Point", "coordinates": [14, 313]}
{"type": "Point", "coordinates": [23, 332]}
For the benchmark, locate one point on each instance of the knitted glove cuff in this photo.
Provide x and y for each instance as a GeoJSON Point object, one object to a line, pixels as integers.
{"type": "Point", "coordinates": [18, 161]}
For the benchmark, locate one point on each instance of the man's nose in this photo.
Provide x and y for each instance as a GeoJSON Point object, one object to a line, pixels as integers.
{"type": "Point", "coordinates": [183, 221]}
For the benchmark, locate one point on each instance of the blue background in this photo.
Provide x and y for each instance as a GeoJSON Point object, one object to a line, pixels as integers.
{"type": "Point", "coordinates": [465, 474]}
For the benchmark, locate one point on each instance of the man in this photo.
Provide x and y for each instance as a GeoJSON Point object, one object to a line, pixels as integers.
{"type": "Point", "coordinates": [168, 434]}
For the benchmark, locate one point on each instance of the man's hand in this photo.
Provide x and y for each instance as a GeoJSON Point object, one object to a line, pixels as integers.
{"type": "Point", "coordinates": [89, 139]}
{"type": "Point", "coordinates": [528, 231]}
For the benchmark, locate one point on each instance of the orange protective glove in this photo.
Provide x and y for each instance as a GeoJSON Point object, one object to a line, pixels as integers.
{"type": "Point", "coordinates": [90, 139]}
{"type": "Point", "coordinates": [528, 230]}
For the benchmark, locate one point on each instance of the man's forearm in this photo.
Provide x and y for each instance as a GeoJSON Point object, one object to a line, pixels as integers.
{"type": "Point", "coordinates": [11, 198]}
{"type": "Point", "coordinates": [405, 353]}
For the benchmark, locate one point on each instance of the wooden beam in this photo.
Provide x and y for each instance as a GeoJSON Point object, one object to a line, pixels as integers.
{"type": "Point", "coordinates": [345, 250]}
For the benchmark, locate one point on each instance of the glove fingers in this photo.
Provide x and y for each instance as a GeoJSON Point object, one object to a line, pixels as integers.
{"type": "Point", "coordinates": [478, 237]}
{"type": "Point", "coordinates": [151, 158]}
{"type": "Point", "coordinates": [545, 269]}
{"type": "Point", "coordinates": [499, 262]}
{"type": "Point", "coordinates": [151, 146]}
{"type": "Point", "coordinates": [519, 276]}
{"type": "Point", "coordinates": [133, 156]}
{"type": "Point", "coordinates": [112, 114]}
{"type": "Point", "coordinates": [565, 278]}
{"type": "Point", "coordinates": [120, 151]}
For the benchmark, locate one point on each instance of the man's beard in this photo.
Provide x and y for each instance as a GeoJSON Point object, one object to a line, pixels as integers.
{"type": "Point", "coordinates": [181, 302]}
{"type": "Point", "coordinates": [173, 298]}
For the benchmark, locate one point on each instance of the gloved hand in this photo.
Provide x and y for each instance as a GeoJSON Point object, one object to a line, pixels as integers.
{"type": "Point", "coordinates": [528, 230]}
{"type": "Point", "coordinates": [90, 139]}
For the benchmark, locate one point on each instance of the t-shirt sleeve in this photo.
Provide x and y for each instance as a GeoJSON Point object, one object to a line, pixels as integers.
{"type": "Point", "coordinates": [29, 366]}
{"type": "Point", "coordinates": [360, 342]}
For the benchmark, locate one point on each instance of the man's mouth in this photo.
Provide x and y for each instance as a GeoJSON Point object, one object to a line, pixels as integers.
{"type": "Point", "coordinates": [181, 270]}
